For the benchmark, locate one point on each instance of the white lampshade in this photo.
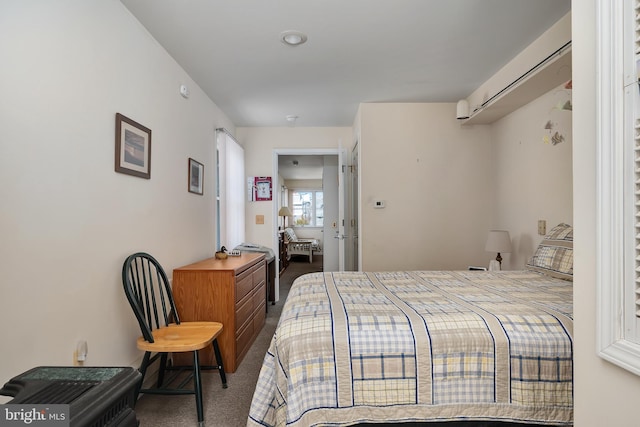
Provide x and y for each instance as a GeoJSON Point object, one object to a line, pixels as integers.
{"type": "Point", "coordinates": [498, 241]}
{"type": "Point", "coordinates": [284, 211]}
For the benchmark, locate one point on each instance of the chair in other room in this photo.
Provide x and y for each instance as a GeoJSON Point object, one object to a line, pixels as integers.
{"type": "Point", "coordinates": [149, 293]}
{"type": "Point", "coordinates": [297, 246]}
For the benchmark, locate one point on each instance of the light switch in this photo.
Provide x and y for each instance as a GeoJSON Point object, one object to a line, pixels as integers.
{"type": "Point", "coordinates": [542, 227]}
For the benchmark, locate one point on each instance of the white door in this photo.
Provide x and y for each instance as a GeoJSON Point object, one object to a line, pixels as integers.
{"type": "Point", "coordinates": [340, 232]}
{"type": "Point", "coordinates": [352, 200]}
{"type": "Point", "coordinates": [331, 214]}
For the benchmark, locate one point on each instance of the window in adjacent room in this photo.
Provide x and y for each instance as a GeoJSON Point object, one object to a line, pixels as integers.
{"type": "Point", "coordinates": [307, 208]}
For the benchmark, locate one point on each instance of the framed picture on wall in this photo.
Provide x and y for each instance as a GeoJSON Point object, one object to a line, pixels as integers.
{"type": "Point", "coordinates": [196, 177]}
{"type": "Point", "coordinates": [133, 148]}
{"type": "Point", "coordinates": [262, 187]}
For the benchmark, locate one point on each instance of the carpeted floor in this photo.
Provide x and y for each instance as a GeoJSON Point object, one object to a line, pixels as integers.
{"type": "Point", "coordinates": [225, 407]}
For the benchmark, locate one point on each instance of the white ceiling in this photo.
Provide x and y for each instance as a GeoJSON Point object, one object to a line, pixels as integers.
{"type": "Point", "coordinates": [301, 166]}
{"type": "Point", "coordinates": [357, 51]}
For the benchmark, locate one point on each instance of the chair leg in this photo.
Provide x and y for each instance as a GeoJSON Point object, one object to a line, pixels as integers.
{"type": "Point", "coordinates": [216, 350]}
{"type": "Point", "coordinates": [143, 371]}
{"type": "Point", "coordinates": [163, 364]}
{"type": "Point", "coordinates": [197, 387]}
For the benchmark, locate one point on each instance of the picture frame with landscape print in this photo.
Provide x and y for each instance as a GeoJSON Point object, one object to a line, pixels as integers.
{"type": "Point", "coordinates": [196, 177]}
{"type": "Point", "coordinates": [133, 147]}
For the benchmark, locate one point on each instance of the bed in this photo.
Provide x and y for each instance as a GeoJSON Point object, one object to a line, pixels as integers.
{"type": "Point", "coordinates": [424, 346]}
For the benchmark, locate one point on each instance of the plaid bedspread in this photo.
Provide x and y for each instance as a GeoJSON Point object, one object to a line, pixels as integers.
{"type": "Point", "coordinates": [419, 346]}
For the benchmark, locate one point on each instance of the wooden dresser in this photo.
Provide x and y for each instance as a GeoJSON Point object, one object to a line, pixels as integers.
{"type": "Point", "coordinates": [231, 291]}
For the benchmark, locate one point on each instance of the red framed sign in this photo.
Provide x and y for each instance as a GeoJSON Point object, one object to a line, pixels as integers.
{"type": "Point", "coordinates": [262, 189]}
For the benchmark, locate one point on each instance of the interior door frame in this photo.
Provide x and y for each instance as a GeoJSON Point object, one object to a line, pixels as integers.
{"type": "Point", "coordinates": [341, 199]}
{"type": "Point", "coordinates": [354, 204]}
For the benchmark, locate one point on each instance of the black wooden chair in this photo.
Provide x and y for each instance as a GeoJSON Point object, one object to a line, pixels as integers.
{"type": "Point", "coordinates": [149, 293]}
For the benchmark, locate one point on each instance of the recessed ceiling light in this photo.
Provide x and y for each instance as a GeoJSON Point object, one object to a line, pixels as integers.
{"type": "Point", "coordinates": [293, 38]}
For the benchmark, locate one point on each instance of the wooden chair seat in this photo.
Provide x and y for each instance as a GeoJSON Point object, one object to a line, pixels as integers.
{"type": "Point", "coordinates": [187, 336]}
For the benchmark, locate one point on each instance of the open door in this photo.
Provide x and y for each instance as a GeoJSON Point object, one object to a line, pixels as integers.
{"type": "Point", "coordinates": [331, 233]}
{"type": "Point", "coordinates": [352, 200]}
{"type": "Point", "coordinates": [348, 234]}
{"type": "Point", "coordinates": [345, 231]}
{"type": "Point", "coordinates": [340, 232]}
{"type": "Point", "coordinates": [336, 231]}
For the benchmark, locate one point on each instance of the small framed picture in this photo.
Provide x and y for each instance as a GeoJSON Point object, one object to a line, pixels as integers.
{"type": "Point", "coordinates": [133, 147]}
{"type": "Point", "coordinates": [196, 177]}
{"type": "Point", "coordinates": [262, 185]}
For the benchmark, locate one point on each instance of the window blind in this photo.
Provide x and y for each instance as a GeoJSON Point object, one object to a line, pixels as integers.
{"type": "Point", "coordinates": [636, 156]}
{"type": "Point", "coordinates": [231, 187]}
{"type": "Point", "coordinates": [636, 159]}
{"type": "Point", "coordinates": [618, 182]}
{"type": "Point", "coordinates": [631, 147]}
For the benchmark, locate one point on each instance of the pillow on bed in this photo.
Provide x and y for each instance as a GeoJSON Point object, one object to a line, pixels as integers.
{"type": "Point", "coordinates": [554, 255]}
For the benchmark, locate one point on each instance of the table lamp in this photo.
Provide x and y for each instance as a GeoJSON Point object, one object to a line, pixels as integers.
{"type": "Point", "coordinates": [498, 241]}
{"type": "Point", "coordinates": [284, 212]}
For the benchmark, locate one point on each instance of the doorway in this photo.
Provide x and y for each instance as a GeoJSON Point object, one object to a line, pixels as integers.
{"type": "Point", "coordinates": [309, 188]}
{"type": "Point", "coordinates": [322, 168]}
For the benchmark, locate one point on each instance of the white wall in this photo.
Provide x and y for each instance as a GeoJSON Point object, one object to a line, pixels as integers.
{"type": "Point", "coordinates": [68, 220]}
{"type": "Point", "coordinates": [445, 185]}
{"type": "Point", "coordinates": [435, 179]}
{"type": "Point", "coordinates": [533, 179]}
{"type": "Point", "coordinates": [605, 395]}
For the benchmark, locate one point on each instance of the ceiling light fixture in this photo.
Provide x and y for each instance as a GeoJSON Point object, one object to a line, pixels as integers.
{"type": "Point", "coordinates": [293, 38]}
{"type": "Point", "coordinates": [292, 119]}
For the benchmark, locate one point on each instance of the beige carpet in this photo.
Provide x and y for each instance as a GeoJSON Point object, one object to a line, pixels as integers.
{"type": "Point", "coordinates": [224, 407]}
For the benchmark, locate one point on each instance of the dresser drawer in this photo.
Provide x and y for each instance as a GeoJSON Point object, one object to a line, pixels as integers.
{"type": "Point", "coordinates": [244, 284]}
{"type": "Point", "coordinates": [259, 274]}
{"type": "Point", "coordinates": [260, 297]}
{"type": "Point", "coordinates": [249, 279]}
{"type": "Point", "coordinates": [259, 318]}
{"type": "Point", "coordinates": [244, 311]}
{"type": "Point", "coordinates": [244, 339]}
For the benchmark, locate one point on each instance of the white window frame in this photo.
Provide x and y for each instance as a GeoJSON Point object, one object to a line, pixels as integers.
{"type": "Point", "coordinates": [618, 337]}
{"type": "Point", "coordinates": [313, 206]}
{"type": "Point", "coordinates": [230, 200]}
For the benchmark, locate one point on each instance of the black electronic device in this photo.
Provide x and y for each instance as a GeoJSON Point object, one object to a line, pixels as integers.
{"type": "Point", "coordinates": [97, 396]}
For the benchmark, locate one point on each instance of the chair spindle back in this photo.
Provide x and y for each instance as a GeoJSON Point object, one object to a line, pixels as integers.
{"type": "Point", "coordinates": [149, 293]}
